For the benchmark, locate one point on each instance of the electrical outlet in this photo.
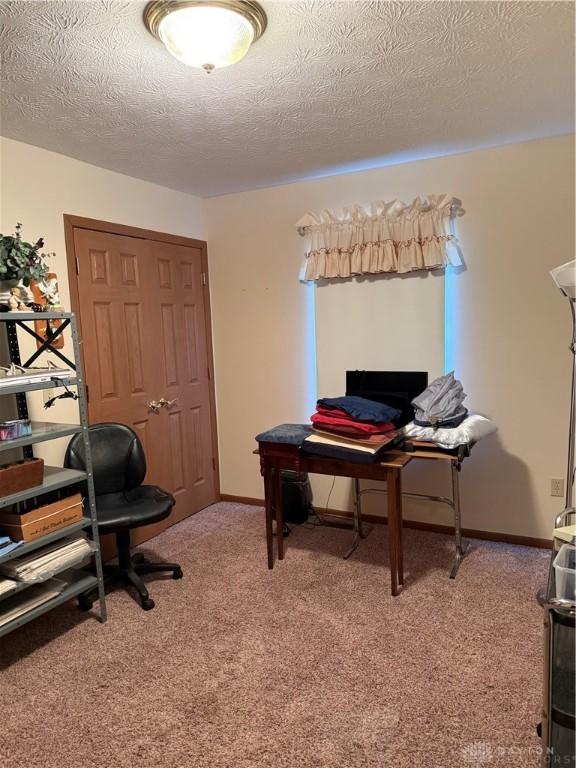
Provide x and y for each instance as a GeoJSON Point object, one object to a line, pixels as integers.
{"type": "Point", "coordinates": [557, 487]}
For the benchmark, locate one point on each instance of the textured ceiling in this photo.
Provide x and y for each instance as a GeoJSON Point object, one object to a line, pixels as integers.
{"type": "Point", "coordinates": [331, 85]}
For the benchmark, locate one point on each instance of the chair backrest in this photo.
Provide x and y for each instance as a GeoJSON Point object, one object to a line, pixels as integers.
{"type": "Point", "coordinates": [118, 460]}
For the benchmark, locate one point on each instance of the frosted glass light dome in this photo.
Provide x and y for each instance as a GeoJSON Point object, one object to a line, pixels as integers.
{"type": "Point", "coordinates": [208, 35]}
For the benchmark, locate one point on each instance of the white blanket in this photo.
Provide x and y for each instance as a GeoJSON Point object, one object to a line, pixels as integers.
{"type": "Point", "coordinates": [472, 429]}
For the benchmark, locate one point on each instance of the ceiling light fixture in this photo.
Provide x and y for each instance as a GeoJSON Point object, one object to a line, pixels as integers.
{"type": "Point", "coordinates": [207, 34]}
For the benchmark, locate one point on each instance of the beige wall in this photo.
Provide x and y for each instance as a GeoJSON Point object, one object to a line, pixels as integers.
{"type": "Point", "coordinates": [508, 328]}
{"type": "Point", "coordinates": [38, 187]}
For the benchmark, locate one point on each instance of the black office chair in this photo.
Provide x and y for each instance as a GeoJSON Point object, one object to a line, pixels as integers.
{"type": "Point", "coordinates": [122, 502]}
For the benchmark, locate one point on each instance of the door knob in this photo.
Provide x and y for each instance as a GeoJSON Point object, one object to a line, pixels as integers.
{"type": "Point", "coordinates": [163, 403]}
{"type": "Point", "coordinates": [155, 406]}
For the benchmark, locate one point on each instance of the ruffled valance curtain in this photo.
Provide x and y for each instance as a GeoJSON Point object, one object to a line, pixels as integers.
{"type": "Point", "coordinates": [392, 237]}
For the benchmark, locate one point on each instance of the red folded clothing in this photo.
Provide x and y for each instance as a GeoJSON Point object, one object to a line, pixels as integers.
{"type": "Point", "coordinates": [333, 412]}
{"type": "Point", "coordinates": [349, 427]}
{"type": "Point", "coordinates": [338, 413]}
{"type": "Point", "coordinates": [362, 439]}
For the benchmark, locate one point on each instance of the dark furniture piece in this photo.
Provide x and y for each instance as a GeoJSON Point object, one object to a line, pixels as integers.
{"type": "Point", "coordinates": [558, 726]}
{"type": "Point", "coordinates": [282, 453]}
{"type": "Point", "coordinates": [276, 457]}
{"type": "Point", "coordinates": [395, 388]}
{"type": "Point", "coordinates": [122, 502]}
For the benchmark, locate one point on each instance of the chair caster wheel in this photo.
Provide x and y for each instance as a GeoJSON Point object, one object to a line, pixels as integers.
{"type": "Point", "coordinates": [85, 603]}
{"type": "Point", "coordinates": [177, 573]}
{"type": "Point", "coordinates": [147, 603]}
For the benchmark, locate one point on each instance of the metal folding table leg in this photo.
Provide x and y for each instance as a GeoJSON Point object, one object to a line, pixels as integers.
{"type": "Point", "coordinates": [358, 525]}
{"type": "Point", "coordinates": [460, 546]}
{"type": "Point", "coordinates": [453, 503]}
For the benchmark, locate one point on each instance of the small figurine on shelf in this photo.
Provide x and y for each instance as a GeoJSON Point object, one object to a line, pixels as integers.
{"type": "Point", "coordinates": [48, 287]}
{"type": "Point", "coordinates": [15, 301]}
{"type": "Point", "coordinates": [47, 299]}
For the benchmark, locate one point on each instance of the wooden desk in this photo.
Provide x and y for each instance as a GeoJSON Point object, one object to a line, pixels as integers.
{"type": "Point", "coordinates": [274, 457]}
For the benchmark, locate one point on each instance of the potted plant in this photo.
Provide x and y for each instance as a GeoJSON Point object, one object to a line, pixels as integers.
{"type": "Point", "coordinates": [20, 263]}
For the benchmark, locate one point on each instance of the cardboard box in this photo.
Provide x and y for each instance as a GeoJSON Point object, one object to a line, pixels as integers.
{"type": "Point", "coordinates": [42, 520]}
{"type": "Point", "coordinates": [21, 475]}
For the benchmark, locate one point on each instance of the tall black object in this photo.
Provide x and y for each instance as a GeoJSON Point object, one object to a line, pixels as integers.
{"type": "Point", "coordinates": [558, 727]}
{"type": "Point", "coordinates": [122, 502]}
{"type": "Point", "coordinates": [395, 388]}
{"type": "Point", "coordinates": [296, 496]}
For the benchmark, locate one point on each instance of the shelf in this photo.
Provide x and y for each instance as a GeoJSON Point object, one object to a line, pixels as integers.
{"type": "Point", "coordinates": [22, 585]}
{"type": "Point", "coordinates": [78, 582]}
{"type": "Point", "coordinates": [54, 478]}
{"type": "Point", "coordinates": [14, 389]}
{"type": "Point", "coordinates": [6, 317]}
{"type": "Point", "coordinates": [48, 539]}
{"type": "Point", "coordinates": [41, 431]}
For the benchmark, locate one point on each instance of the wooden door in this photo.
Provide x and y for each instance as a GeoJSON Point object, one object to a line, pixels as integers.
{"type": "Point", "coordinates": [141, 305]}
{"type": "Point", "coordinates": [184, 374]}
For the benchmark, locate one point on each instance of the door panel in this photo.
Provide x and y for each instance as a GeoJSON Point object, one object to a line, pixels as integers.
{"type": "Point", "coordinates": [145, 338]}
{"type": "Point", "coordinates": [185, 374]}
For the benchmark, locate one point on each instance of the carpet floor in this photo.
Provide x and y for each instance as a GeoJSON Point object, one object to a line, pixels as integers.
{"type": "Point", "coordinates": [311, 665]}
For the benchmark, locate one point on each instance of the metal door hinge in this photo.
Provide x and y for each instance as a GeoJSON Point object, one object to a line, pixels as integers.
{"type": "Point", "coordinates": [87, 393]}
{"type": "Point", "coordinates": [208, 374]}
{"type": "Point", "coordinates": [77, 264]}
{"type": "Point", "coordinates": [203, 278]}
{"type": "Point", "coordinates": [214, 464]}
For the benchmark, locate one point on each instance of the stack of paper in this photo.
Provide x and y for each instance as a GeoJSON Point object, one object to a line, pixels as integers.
{"type": "Point", "coordinates": [31, 598]}
{"type": "Point", "coordinates": [357, 451]}
{"type": "Point", "coordinates": [44, 563]}
{"type": "Point", "coordinates": [7, 586]}
{"type": "Point", "coordinates": [371, 445]}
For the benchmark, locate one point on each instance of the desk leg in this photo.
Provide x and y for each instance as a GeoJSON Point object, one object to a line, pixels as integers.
{"type": "Point", "coordinates": [358, 527]}
{"type": "Point", "coordinates": [268, 502]}
{"type": "Point", "coordinates": [400, 526]}
{"type": "Point", "coordinates": [460, 547]}
{"type": "Point", "coordinates": [278, 506]}
{"type": "Point", "coordinates": [393, 524]}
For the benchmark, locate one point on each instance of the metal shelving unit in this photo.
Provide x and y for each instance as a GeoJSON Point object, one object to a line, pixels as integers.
{"type": "Point", "coordinates": [77, 582]}
{"type": "Point", "coordinates": [25, 549]}
{"type": "Point", "coordinates": [41, 431]}
{"type": "Point", "coordinates": [15, 389]}
{"type": "Point", "coordinates": [55, 478]}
